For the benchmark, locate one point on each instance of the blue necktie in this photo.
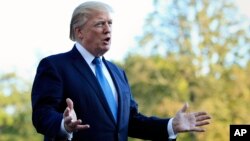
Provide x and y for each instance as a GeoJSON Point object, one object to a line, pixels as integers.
{"type": "Point", "coordinates": [105, 86]}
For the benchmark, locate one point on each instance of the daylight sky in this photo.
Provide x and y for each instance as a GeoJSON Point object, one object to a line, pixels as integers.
{"type": "Point", "coordinates": [33, 29]}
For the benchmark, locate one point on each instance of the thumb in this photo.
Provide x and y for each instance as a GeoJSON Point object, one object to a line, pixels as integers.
{"type": "Point", "coordinates": [184, 108]}
{"type": "Point", "coordinates": [70, 103]}
{"type": "Point", "coordinates": [66, 112]}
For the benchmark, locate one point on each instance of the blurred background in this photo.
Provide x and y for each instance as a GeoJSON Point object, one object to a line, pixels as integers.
{"type": "Point", "coordinates": [174, 51]}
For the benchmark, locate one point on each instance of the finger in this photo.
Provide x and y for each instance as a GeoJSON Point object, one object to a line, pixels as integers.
{"type": "Point", "coordinates": [76, 125]}
{"type": "Point", "coordinates": [202, 123]}
{"type": "Point", "coordinates": [69, 125]}
{"type": "Point", "coordinates": [67, 120]}
{"type": "Point", "coordinates": [184, 108]}
{"type": "Point", "coordinates": [70, 103]}
{"type": "Point", "coordinates": [196, 129]}
{"type": "Point", "coordinates": [196, 114]}
{"type": "Point", "coordinates": [203, 117]}
{"type": "Point", "coordinates": [66, 112]}
{"type": "Point", "coordinates": [81, 127]}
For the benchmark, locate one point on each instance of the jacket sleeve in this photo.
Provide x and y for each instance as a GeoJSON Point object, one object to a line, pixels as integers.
{"type": "Point", "coordinates": [47, 96]}
{"type": "Point", "coordinates": [149, 128]}
{"type": "Point", "coordinates": [143, 127]}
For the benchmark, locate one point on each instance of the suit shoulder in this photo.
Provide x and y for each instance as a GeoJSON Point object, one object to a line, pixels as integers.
{"type": "Point", "coordinates": [112, 65]}
{"type": "Point", "coordinates": [59, 57]}
{"type": "Point", "coordinates": [56, 60]}
{"type": "Point", "coordinates": [116, 69]}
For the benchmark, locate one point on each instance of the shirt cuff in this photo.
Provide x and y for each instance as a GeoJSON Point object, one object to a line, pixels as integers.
{"type": "Point", "coordinates": [64, 132]}
{"type": "Point", "coordinates": [171, 133]}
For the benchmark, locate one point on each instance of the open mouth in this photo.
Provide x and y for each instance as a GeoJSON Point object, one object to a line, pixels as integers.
{"type": "Point", "coordinates": [106, 40]}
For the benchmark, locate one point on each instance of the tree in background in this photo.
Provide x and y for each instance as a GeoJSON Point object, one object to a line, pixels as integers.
{"type": "Point", "coordinates": [210, 31]}
{"type": "Point", "coordinates": [15, 111]}
{"type": "Point", "coordinates": [198, 51]}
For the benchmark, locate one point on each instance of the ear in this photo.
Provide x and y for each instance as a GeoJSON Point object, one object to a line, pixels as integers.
{"type": "Point", "coordinates": [79, 33]}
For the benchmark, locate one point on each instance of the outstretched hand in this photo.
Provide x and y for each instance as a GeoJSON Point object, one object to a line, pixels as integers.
{"type": "Point", "coordinates": [71, 123]}
{"type": "Point", "coordinates": [190, 122]}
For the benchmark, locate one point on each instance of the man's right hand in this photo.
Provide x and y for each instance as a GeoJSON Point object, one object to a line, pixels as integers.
{"type": "Point", "coordinates": [71, 123]}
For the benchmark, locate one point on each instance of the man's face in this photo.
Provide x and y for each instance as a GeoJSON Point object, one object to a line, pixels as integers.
{"type": "Point", "coordinates": [96, 33]}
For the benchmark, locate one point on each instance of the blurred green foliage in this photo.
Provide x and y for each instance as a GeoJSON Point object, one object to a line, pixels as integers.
{"type": "Point", "coordinates": [15, 109]}
{"type": "Point", "coordinates": [162, 85]}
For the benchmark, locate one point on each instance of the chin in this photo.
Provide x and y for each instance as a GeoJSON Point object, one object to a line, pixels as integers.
{"type": "Point", "coordinates": [106, 48]}
{"type": "Point", "coordinates": [102, 51]}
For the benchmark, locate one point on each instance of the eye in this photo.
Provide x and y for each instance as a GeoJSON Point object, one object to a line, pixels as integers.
{"type": "Point", "coordinates": [99, 24]}
{"type": "Point", "coordinates": [110, 22]}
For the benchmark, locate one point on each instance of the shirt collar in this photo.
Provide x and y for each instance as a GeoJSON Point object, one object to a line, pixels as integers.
{"type": "Point", "coordinates": [85, 54]}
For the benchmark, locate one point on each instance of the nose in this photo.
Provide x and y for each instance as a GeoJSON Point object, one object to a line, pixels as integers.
{"type": "Point", "coordinates": [107, 28]}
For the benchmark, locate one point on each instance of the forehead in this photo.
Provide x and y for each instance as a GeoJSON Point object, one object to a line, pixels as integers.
{"type": "Point", "coordinates": [100, 15]}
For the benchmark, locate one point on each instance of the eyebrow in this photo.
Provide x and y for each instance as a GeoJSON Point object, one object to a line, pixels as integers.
{"type": "Point", "coordinates": [101, 19]}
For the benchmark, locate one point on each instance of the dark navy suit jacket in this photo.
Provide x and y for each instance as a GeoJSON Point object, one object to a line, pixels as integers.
{"type": "Point", "coordinates": [67, 75]}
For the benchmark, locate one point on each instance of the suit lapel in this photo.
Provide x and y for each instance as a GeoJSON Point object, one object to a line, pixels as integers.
{"type": "Point", "coordinates": [114, 75]}
{"type": "Point", "coordinates": [81, 65]}
{"type": "Point", "coordinates": [85, 71]}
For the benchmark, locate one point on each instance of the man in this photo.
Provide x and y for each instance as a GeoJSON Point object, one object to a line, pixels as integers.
{"type": "Point", "coordinates": [80, 96]}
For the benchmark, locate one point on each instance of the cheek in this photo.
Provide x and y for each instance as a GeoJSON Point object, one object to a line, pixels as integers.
{"type": "Point", "coordinates": [94, 36]}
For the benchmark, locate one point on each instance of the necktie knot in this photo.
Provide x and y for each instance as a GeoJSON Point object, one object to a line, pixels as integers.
{"type": "Point", "coordinates": [97, 61]}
